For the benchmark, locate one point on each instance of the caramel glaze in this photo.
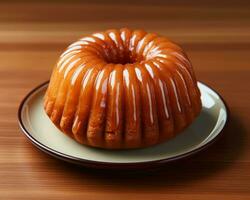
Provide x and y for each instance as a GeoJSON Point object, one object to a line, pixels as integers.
{"type": "Point", "coordinates": [122, 89]}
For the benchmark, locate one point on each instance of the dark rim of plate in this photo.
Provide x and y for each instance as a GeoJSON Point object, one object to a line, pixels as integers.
{"type": "Point", "coordinates": [111, 165]}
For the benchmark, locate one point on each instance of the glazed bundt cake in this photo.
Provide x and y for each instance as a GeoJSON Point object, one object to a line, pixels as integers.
{"type": "Point", "coordinates": [122, 89]}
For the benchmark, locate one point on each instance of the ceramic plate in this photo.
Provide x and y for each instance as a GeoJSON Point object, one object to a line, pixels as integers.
{"type": "Point", "coordinates": [43, 134]}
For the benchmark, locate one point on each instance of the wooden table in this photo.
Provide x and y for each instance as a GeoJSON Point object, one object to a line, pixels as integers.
{"type": "Point", "coordinates": [216, 36]}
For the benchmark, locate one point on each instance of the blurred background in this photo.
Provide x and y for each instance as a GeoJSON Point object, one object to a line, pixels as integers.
{"type": "Point", "coordinates": [215, 34]}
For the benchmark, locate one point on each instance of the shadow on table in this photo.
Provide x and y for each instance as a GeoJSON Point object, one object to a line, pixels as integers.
{"type": "Point", "coordinates": [204, 164]}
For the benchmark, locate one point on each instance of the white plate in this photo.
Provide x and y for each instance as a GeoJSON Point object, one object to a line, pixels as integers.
{"type": "Point", "coordinates": [43, 134]}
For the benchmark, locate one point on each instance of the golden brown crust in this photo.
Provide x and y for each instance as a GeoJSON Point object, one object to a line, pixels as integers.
{"type": "Point", "coordinates": [122, 89]}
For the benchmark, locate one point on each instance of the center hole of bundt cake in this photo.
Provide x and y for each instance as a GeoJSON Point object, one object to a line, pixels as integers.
{"type": "Point", "coordinates": [123, 57]}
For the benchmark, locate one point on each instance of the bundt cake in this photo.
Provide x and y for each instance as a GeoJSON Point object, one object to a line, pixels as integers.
{"type": "Point", "coordinates": [122, 89]}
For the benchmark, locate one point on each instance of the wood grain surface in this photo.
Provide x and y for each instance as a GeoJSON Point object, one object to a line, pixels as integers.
{"type": "Point", "coordinates": [216, 36]}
